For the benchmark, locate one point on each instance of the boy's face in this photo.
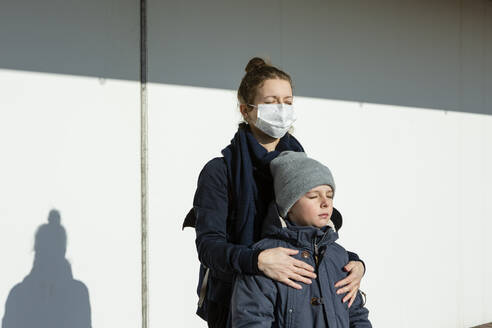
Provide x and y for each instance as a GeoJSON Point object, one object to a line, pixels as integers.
{"type": "Point", "coordinates": [314, 208]}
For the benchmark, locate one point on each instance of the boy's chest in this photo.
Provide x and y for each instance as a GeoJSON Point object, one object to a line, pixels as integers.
{"type": "Point", "coordinates": [315, 303]}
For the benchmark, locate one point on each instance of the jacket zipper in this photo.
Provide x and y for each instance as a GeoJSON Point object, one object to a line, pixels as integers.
{"type": "Point", "coordinates": [317, 260]}
{"type": "Point", "coordinates": [316, 250]}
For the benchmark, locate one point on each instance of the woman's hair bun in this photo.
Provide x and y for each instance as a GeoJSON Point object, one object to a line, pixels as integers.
{"type": "Point", "coordinates": [255, 63]}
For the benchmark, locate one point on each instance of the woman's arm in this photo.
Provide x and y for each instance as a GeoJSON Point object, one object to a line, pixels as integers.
{"type": "Point", "coordinates": [211, 210]}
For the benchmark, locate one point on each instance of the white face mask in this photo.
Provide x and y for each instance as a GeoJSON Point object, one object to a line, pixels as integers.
{"type": "Point", "coordinates": [275, 119]}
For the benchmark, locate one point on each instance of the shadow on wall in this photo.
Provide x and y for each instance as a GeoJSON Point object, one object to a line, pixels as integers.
{"type": "Point", "coordinates": [88, 38]}
{"type": "Point", "coordinates": [49, 297]}
{"type": "Point", "coordinates": [429, 54]}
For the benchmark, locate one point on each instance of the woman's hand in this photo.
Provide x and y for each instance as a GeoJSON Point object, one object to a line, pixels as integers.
{"type": "Point", "coordinates": [278, 264]}
{"type": "Point", "coordinates": [351, 283]}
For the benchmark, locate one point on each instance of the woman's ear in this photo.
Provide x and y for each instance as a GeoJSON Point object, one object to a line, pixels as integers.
{"type": "Point", "coordinates": [243, 108]}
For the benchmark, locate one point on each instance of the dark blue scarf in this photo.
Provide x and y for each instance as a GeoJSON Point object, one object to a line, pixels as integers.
{"type": "Point", "coordinates": [248, 167]}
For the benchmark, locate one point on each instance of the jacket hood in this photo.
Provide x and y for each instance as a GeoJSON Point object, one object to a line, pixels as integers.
{"type": "Point", "coordinates": [301, 236]}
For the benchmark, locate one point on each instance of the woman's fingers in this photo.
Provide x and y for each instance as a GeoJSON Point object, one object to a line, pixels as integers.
{"type": "Point", "coordinates": [350, 266]}
{"type": "Point", "coordinates": [299, 277]}
{"type": "Point", "coordinates": [278, 264]}
{"type": "Point", "coordinates": [355, 270]}
{"type": "Point", "coordinates": [305, 268]}
{"type": "Point", "coordinates": [289, 251]}
{"type": "Point", "coordinates": [351, 291]}
{"type": "Point", "coordinates": [347, 289]}
{"type": "Point", "coordinates": [350, 284]}
{"type": "Point", "coordinates": [290, 283]}
{"type": "Point", "coordinates": [345, 281]}
{"type": "Point", "coordinates": [353, 295]}
{"type": "Point", "coordinates": [351, 287]}
{"type": "Point", "coordinates": [304, 273]}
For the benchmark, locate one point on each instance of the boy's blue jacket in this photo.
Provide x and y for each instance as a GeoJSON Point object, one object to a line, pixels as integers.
{"type": "Point", "coordinates": [258, 301]}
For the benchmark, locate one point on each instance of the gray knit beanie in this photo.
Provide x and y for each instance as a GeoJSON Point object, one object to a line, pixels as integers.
{"type": "Point", "coordinates": [294, 174]}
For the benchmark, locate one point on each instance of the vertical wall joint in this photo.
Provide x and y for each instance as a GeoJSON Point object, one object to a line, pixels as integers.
{"type": "Point", "coordinates": [143, 159]}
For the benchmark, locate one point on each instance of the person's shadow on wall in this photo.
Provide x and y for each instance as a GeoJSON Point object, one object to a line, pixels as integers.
{"type": "Point", "coordinates": [49, 297]}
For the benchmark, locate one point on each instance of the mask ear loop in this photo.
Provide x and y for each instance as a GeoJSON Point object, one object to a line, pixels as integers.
{"type": "Point", "coordinates": [250, 109]}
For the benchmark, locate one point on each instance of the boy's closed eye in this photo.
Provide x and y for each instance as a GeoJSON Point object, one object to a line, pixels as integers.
{"type": "Point", "coordinates": [315, 195]}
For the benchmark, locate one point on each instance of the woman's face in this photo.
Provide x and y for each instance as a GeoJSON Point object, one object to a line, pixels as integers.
{"type": "Point", "coordinates": [274, 91]}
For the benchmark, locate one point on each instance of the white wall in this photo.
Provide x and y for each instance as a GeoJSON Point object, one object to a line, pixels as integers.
{"type": "Point", "coordinates": [68, 143]}
{"type": "Point", "coordinates": [69, 139]}
{"type": "Point", "coordinates": [397, 86]}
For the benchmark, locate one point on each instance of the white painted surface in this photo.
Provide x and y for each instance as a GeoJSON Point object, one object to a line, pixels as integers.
{"type": "Point", "coordinates": [69, 143]}
{"type": "Point", "coordinates": [187, 127]}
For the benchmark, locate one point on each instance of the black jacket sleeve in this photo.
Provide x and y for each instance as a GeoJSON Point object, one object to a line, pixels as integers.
{"type": "Point", "coordinates": [355, 257]}
{"type": "Point", "coordinates": [211, 209]}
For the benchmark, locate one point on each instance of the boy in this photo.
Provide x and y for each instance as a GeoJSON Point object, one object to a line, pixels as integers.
{"type": "Point", "coordinates": [301, 219]}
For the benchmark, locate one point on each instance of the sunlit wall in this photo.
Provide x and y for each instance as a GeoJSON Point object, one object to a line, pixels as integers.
{"type": "Point", "coordinates": [395, 97]}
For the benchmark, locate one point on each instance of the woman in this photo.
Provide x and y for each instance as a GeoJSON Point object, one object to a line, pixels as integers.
{"type": "Point", "coordinates": [233, 194]}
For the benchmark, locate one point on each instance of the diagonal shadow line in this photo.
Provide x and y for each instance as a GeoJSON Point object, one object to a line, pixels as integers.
{"type": "Point", "coordinates": [192, 43]}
